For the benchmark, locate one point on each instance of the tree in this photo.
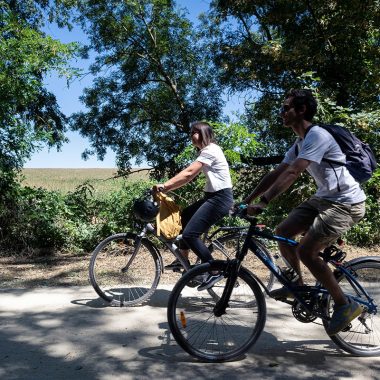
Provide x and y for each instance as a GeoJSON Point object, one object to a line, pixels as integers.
{"type": "Point", "coordinates": [29, 114]}
{"type": "Point", "coordinates": [270, 44]}
{"type": "Point", "coordinates": [267, 47]}
{"type": "Point", "coordinates": [153, 79]}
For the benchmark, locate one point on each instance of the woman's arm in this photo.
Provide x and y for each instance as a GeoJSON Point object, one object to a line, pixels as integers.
{"type": "Point", "coordinates": [183, 177]}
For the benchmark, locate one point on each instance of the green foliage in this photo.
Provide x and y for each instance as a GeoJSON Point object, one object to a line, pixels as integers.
{"type": "Point", "coordinates": [153, 79]}
{"type": "Point", "coordinates": [367, 231]}
{"type": "Point", "coordinates": [154, 74]}
{"type": "Point", "coordinates": [38, 221]}
{"type": "Point", "coordinates": [267, 45]}
{"type": "Point", "coordinates": [29, 115]}
{"type": "Point", "coordinates": [32, 221]}
{"type": "Point", "coordinates": [264, 48]}
{"type": "Point", "coordinates": [42, 221]}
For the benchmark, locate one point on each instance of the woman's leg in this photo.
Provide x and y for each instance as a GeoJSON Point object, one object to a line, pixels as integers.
{"type": "Point", "coordinates": [186, 215]}
{"type": "Point", "coordinates": [214, 208]}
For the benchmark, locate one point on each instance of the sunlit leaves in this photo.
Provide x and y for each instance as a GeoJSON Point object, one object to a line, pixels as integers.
{"type": "Point", "coordinates": [153, 79]}
{"type": "Point", "coordinates": [29, 114]}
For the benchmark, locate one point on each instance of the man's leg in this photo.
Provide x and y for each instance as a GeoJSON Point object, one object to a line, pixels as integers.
{"type": "Point", "coordinates": [308, 251]}
{"type": "Point", "coordinates": [298, 221]}
{"type": "Point", "coordinates": [290, 230]}
{"type": "Point", "coordinates": [333, 220]}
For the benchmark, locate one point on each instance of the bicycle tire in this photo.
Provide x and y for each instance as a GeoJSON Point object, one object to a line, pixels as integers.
{"type": "Point", "coordinates": [362, 337]}
{"type": "Point", "coordinates": [191, 318]}
{"type": "Point", "coordinates": [227, 246]}
{"type": "Point", "coordinates": [137, 283]}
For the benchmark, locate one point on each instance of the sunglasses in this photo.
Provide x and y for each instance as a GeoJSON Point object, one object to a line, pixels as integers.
{"type": "Point", "coordinates": [285, 108]}
{"type": "Point", "coordinates": [193, 133]}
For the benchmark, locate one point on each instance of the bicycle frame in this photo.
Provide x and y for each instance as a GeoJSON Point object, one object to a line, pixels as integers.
{"type": "Point", "coordinates": [171, 246]}
{"type": "Point", "coordinates": [297, 291]}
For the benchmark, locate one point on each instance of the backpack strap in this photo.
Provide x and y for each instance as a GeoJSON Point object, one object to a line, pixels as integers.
{"type": "Point", "coordinates": [306, 132]}
{"type": "Point", "coordinates": [340, 163]}
{"type": "Point", "coordinates": [330, 162]}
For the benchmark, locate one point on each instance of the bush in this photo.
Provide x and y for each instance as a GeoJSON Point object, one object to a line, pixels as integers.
{"type": "Point", "coordinates": [38, 221]}
{"type": "Point", "coordinates": [32, 221]}
{"type": "Point", "coordinates": [42, 221]}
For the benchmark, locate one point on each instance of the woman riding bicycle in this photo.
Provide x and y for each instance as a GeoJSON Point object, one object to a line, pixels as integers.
{"type": "Point", "coordinates": [216, 202]}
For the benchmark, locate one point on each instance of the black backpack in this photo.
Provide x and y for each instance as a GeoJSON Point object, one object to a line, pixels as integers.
{"type": "Point", "coordinates": [360, 160]}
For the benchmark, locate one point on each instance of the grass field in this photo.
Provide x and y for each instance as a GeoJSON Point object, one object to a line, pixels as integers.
{"type": "Point", "coordinates": [65, 180]}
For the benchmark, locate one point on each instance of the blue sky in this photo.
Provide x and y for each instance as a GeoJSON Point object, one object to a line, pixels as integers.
{"type": "Point", "coordinates": [68, 99]}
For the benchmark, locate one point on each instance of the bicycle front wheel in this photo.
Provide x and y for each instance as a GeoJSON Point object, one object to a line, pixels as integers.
{"type": "Point", "coordinates": [362, 336]}
{"type": "Point", "coordinates": [227, 246]}
{"type": "Point", "coordinates": [125, 270]}
{"type": "Point", "coordinates": [200, 332]}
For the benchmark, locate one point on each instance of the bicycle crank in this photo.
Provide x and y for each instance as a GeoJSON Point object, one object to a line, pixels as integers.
{"type": "Point", "coordinates": [301, 314]}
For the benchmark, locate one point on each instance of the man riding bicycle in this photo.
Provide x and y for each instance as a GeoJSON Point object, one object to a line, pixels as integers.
{"type": "Point", "coordinates": [338, 204]}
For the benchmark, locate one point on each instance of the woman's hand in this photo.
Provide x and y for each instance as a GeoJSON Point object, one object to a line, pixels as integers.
{"type": "Point", "coordinates": [159, 188]}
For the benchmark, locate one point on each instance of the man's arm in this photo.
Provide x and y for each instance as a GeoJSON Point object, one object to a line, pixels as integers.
{"type": "Point", "coordinates": [266, 182]}
{"type": "Point", "coordinates": [286, 178]}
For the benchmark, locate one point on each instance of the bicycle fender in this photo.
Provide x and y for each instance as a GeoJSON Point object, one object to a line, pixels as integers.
{"type": "Point", "coordinates": [363, 259]}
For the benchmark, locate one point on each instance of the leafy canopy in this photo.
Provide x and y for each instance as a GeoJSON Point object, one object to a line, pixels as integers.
{"type": "Point", "coordinates": [153, 79]}
{"type": "Point", "coordinates": [268, 45]}
{"type": "Point", "coordinates": [29, 114]}
{"type": "Point", "coordinates": [265, 47]}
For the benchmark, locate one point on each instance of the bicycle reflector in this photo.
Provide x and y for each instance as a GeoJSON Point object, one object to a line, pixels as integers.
{"type": "Point", "coordinates": [145, 209]}
{"type": "Point", "coordinates": [183, 319]}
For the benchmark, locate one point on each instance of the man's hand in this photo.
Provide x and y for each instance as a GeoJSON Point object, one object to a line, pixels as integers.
{"type": "Point", "coordinates": [256, 208]}
{"type": "Point", "coordinates": [238, 204]}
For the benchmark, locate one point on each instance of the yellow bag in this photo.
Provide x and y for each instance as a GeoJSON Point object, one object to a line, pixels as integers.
{"type": "Point", "coordinates": [168, 220]}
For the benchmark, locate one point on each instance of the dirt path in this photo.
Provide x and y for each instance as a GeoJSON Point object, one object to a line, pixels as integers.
{"type": "Point", "coordinates": [72, 269]}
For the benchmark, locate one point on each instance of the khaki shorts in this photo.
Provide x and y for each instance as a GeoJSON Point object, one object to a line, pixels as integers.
{"type": "Point", "coordinates": [325, 220]}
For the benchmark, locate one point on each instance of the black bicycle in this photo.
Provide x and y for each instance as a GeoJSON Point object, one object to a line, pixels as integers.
{"type": "Point", "coordinates": [125, 268]}
{"type": "Point", "coordinates": [225, 328]}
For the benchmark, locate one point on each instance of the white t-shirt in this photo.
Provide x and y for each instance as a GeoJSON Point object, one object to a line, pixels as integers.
{"type": "Point", "coordinates": [319, 144]}
{"type": "Point", "coordinates": [215, 168]}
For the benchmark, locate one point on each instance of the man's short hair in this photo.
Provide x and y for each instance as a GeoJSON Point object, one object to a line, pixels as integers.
{"type": "Point", "coordinates": [303, 97]}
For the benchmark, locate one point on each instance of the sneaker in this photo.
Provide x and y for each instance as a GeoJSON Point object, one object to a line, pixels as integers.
{"type": "Point", "coordinates": [342, 316]}
{"type": "Point", "coordinates": [281, 294]}
{"type": "Point", "coordinates": [210, 281]}
{"type": "Point", "coordinates": [176, 264]}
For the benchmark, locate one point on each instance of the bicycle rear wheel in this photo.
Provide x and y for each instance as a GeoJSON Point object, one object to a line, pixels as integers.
{"type": "Point", "coordinates": [208, 337]}
{"type": "Point", "coordinates": [122, 276]}
{"type": "Point", "coordinates": [227, 246]}
{"type": "Point", "coordinates": [362, 336]}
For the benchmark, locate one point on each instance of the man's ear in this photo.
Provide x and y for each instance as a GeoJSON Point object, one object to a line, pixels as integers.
{"type": "Point", "coordinates": [302, 109]}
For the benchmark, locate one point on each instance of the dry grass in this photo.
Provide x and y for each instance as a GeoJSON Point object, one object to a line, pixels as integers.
{"type": "Point", "coordinates": [65, 180]}
{"type": "Point", "coordinates": [72, 269]}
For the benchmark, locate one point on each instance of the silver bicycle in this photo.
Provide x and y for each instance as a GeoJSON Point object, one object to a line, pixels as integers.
{"type": "Point", "coordinates": [125, 268]}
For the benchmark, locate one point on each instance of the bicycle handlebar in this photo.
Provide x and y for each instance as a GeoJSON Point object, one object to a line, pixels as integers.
{"type": "Point", "coordinates": [240, 211]}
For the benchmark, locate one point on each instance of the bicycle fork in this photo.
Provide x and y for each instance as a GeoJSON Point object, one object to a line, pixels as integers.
{"type": "Point", "coordinates": [137, 244]}
{"type": "Point", "coordinates": [232, 270]}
